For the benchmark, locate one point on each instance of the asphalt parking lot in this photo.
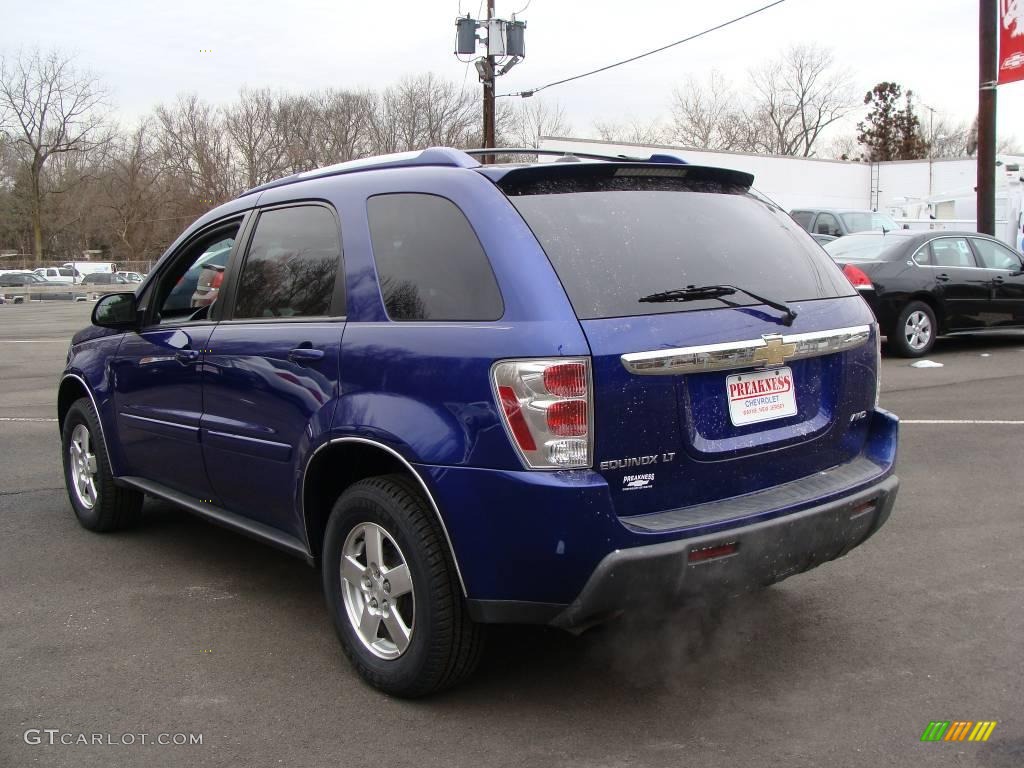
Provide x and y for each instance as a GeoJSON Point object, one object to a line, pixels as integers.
{"type": "Point", "coordinates": [182, 627]}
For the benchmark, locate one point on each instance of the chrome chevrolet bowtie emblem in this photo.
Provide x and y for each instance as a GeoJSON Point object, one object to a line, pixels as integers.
{"type": "Point", "coordinates": [774, 352]}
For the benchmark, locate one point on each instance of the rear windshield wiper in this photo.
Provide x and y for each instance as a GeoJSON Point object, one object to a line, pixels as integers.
{"type": "Point", "coordinates": [695, 292]}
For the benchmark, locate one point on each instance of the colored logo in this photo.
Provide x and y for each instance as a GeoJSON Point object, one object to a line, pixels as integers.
{"type": "Point", "coordinates": [958, 730]}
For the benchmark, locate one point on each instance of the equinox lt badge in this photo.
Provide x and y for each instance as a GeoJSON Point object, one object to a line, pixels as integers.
{"type": "Point", "coordinates": [638, 461]}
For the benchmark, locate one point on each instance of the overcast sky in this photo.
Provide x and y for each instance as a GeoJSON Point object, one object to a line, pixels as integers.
{"type": "Point", "coordinates": [148, 52]}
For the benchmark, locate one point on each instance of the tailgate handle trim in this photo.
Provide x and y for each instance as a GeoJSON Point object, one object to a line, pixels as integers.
{"type": "Point", "coordinates": [769, 351]}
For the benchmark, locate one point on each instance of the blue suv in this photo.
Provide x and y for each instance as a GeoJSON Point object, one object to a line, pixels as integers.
{"type": "Point", "coordinates": [543, 392]}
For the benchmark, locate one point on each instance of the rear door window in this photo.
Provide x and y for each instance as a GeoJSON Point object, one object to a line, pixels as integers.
{"type": "Point", "coordinates": [624, 238]}
{"type": "Point", "coordinates": [995, 256]}
{"type": "Point", "coordinates": [827, 225]}
{"type": "Point", "coordinates": [292, 264]}
{"type": "Point", "coordinates": [803, 218]}
{"type": "Point", "coordinates": [430, 263]}
{"type": "Point", "coordinates": [952, 252]}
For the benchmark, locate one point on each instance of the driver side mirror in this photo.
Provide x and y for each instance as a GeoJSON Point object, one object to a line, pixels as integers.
{"type": "Point", "coordinates": [116, 310]}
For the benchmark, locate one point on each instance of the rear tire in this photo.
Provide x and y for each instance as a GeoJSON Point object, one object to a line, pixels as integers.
{"type": "Point", "coordinates": [913, 334]}
{"type": "Point", "coordinates": [99, 503]}
{"type": "Point", "coordinates": [413, 637]}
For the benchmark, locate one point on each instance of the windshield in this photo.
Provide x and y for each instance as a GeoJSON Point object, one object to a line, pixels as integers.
{"type": "Point", "coordinates": [867, 221]}
{"type": "Point", "coordinates": [637, 237]}
{"type": "Point", "coordinates": [865, 247]}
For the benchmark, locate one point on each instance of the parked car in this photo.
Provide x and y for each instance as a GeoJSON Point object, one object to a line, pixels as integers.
{"type": "Point", "coordinates": [131, 277]}
{"type": "Point", "coordinates": [924, 284]}
{"type": "Point", "coordinates": [838, 222]}
{"type": "Point", "coordinates": [56, 274]}
{"type": "Point", "coordinates": [493, 393]}
{"type": "Point", "coordinates": [104, 278]}
{"type": "Point", "coordinates": [211, 276]}
{"type": "Point", "coordinates": [187, 294]}
{"type": "Point", "coordinates": [19, 279]}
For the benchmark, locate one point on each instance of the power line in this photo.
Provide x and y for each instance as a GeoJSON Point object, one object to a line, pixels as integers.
{"type": "Point", "coordinates": [532, 91]}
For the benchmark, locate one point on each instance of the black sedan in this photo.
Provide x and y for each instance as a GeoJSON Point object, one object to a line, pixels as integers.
{"type": "Point", "coordinates": [924, 284]}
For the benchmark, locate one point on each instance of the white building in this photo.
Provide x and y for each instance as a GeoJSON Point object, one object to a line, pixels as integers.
{"type": "Point", "coordinates": [923, 193]}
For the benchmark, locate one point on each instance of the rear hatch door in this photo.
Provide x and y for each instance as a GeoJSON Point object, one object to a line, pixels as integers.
{"type": "Point", "coordinates": [698, 395]}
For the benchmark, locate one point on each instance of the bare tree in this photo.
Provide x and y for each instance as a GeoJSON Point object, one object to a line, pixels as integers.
{"type": "Point", "coordinates": [845, 147]}
{"type": "Point", "coordinates": [798, 96]}
{"type": "Point", "coordinates": [533, 118]}
{"type": "Point", "coordinates": [196, 150]}
{"type": "Point", "coordinates": [706, 115]}
{"type": "Point", "coordinates": [631, 132]}
{"type": "Point", "coordinates": [254, 125]}
{"type": "Point", "coordinates": [48, 108]}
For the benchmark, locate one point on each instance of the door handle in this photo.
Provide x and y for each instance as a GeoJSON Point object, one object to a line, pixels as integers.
{"type": "Point", "coordinates": [943, 278]}
{"type": "Point", "coordinates": [998, 280]}
{"type": "Point", "coordinates": [186, 355]}
{"type": "Point", "coordinates": [305, 355]}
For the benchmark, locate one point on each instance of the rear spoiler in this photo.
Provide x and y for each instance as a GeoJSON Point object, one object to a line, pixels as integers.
{"type": "Point", "coordinates": [566, 177]}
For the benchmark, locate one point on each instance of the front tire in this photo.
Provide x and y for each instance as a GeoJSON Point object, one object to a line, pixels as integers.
{"type": "Point", "coordinates": [393, 593]}
{"type": "Point", "coordinates": [915, 330]}
{"type": "Point", "coordinates": [99, 503]}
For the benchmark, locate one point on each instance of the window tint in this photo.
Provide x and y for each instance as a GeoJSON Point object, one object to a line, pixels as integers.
{"type": "Point", "coordinates": [292, 264]}
{"type": "Point", "coordinates": [639, 236]}
{"type": "Point", "coordinates": [951, 252]}
{"type": "Point", "coordinates": [803, 218]}
{"type": "Point", "coordinates": [430, 263]}
{"type": "Point", "coordinates": [827, 225]}
{"type": "Point", "coordinates": [995, 256]}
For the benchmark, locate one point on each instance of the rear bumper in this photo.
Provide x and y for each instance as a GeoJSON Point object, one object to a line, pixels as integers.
{"type": "Point", "coordinates": [765, 553]}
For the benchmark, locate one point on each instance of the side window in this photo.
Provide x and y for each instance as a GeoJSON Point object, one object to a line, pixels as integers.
{"type": "Point", "coordinates": [291, 265]}
{"type": "Point", "coordinates": [995, 256]}
{"type": "Point", "coordinates": [181, 294]}
{"type": "Point", "coordinates": [951, 252]}
{"type": "Point", "coordinates": [827, 225]}
{"type": "Point", "coordinates": [430, 263]}
{"type": "Point", "coordinates": [924, 256]}
{"type": "Point", "coordinates": [803, 218]}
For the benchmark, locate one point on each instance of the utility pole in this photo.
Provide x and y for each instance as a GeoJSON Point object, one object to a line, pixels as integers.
{"type": "Point", "coordinates": [489, 91]}
{"type": "Point", "coordinates": [506, 47]}
{"type": "Point", "coordinates": [988, 70]}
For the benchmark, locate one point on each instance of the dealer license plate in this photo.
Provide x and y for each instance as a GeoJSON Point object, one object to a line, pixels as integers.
{"type": "Point", "coordinates": [761, 396]}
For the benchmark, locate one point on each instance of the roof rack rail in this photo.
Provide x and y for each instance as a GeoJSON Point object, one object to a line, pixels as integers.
{"type": "Point", "coordinates": [436, 156]}
{"type": "Point", "coordinates": [655, 158]}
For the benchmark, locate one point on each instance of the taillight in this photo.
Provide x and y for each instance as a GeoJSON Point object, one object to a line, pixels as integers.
{"type": "Point", "coordinates": [217, 279]}
{"type": "Point", "coordinates": [858, 277]}
{"type": "Point", "coordinates": [547, 409]}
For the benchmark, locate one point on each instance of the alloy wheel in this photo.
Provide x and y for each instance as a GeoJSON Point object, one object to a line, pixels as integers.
{"type": "Point", "coordinates": [83, 466]}
{"type": "Point", "coordinates": [377, 590]}
{"type": "Point", "coordinates": [918, 330]}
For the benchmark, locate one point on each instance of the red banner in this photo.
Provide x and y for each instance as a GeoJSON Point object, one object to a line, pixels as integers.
{"type": "Point", "coordinates": [1011, 41]}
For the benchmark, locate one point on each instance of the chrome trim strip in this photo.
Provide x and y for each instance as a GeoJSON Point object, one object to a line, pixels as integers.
{"type": "Point", "coordinates": [161, 422]}
{"type": "Point", "coordinates": [408, 466]}
{"type": "Point", "coordinates": [249, 439]}
{"type": "Point", "coordinates": [746, 353]}
{"type": "Point", "coordinates": [95, 407]}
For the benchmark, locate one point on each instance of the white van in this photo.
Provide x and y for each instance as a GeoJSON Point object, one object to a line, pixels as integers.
{"type": "Point", "coordinates": [83, 268]}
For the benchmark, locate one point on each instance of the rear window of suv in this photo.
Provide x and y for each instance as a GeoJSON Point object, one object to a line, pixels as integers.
{"type": "Point", "coordinates": [615, 239]}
